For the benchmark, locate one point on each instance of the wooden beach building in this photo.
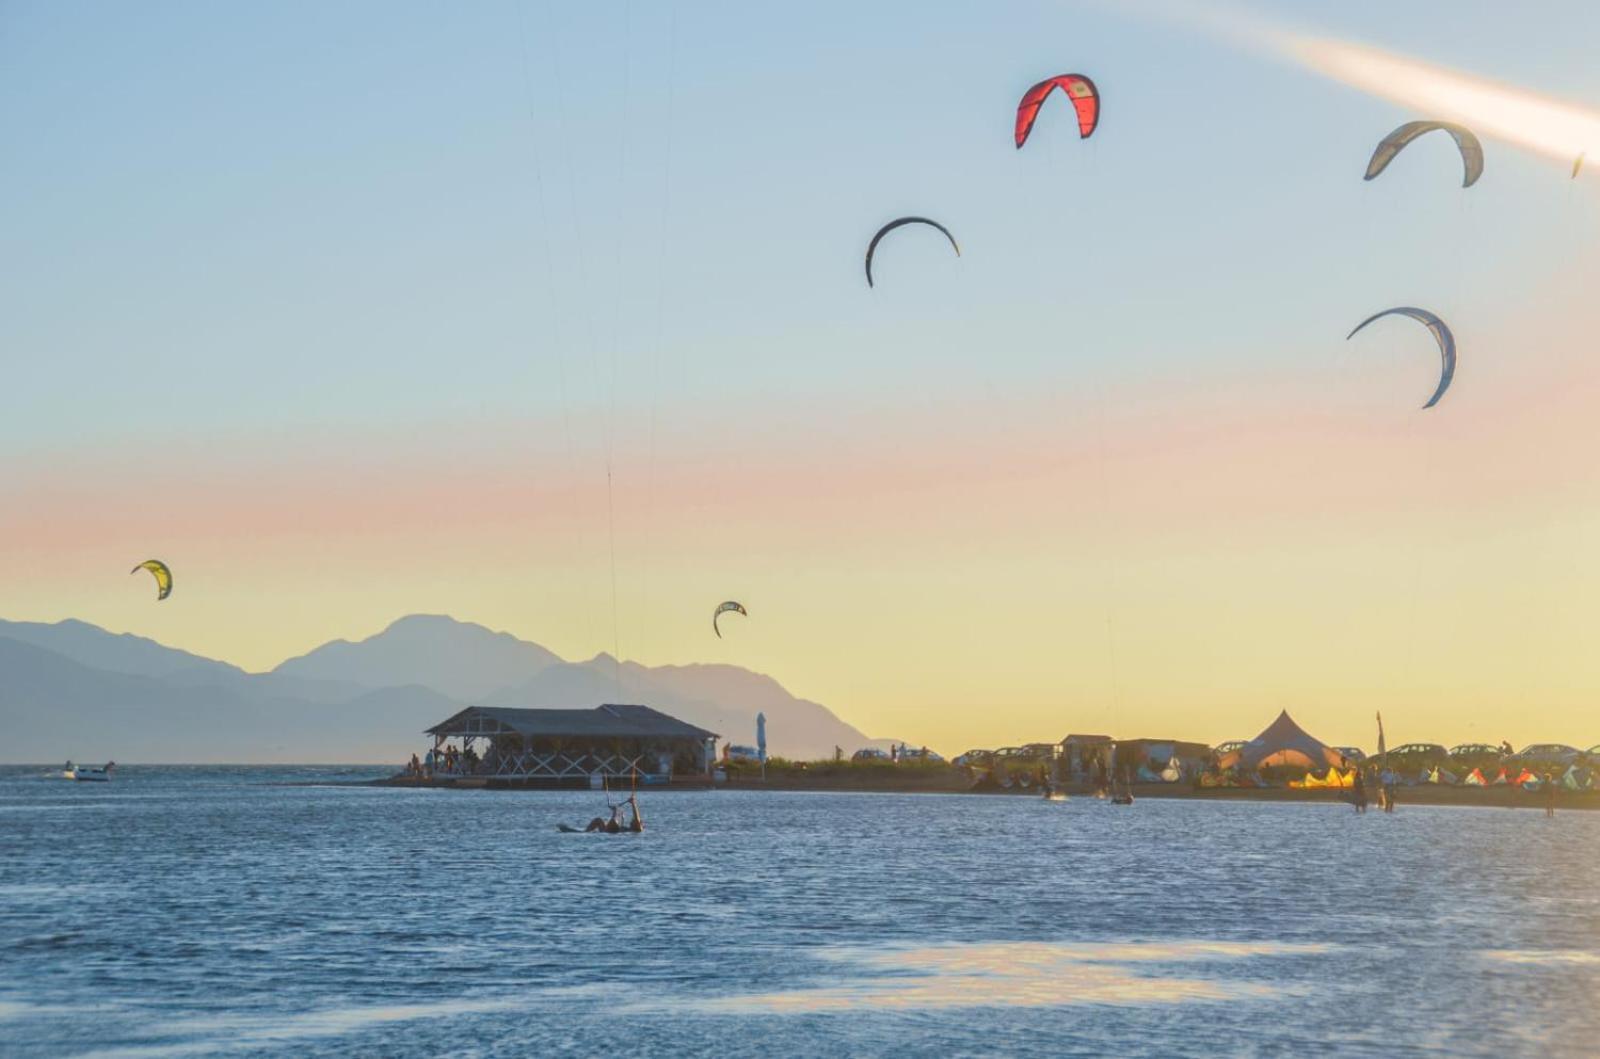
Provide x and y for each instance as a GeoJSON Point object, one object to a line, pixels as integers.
{"type": "Point", "coordinates": [610, 744]}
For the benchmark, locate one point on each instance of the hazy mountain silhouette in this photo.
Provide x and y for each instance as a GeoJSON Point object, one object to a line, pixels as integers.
{"type": "Point", "coordinates": [53, 707]}
{"type": "Point", "coordinates": [112, 652]}
{"type": "Point", "coordinates": [75, 689]}
{"type": "Point", "coordinates": [724, 699]}
{"type": "Point", "coordinates": [460, 659]}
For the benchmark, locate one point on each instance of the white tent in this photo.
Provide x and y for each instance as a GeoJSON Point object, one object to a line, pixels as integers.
{"type": "Point", "coordinates": [1282, 743]}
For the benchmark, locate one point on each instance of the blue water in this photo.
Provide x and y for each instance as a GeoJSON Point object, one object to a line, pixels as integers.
{"type": "Point", "coordinates": [204, 910]}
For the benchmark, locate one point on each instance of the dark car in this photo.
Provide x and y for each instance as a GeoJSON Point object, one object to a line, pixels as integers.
{"type": "Point", "coordinates": [1416, 757]}
{"type": "Point", "coordinates": [1468, 756]}
{"type": "Point", "coordinates": [1542, 756]}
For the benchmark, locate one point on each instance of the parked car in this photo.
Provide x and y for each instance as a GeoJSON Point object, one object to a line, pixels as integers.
{"type": "Point", "coordinates": [1545, 756]}
{"type": "Point", "coordinates": [1468, 756]}
{"type": "Point", "coordinates": [1353, 754]}
{"type": "Point", "coordinates": [869, 753]}
{"type": "Point", "coordinates": [915, 753]}
{"type": "Point", "coordinates": [1415, 757]}
{"type": "Point", "coordinates": [1032, 754]}
{"type": "Point", "coordinates": [974, 759]}
{"type": "Point", "coordinates": [742, 753]}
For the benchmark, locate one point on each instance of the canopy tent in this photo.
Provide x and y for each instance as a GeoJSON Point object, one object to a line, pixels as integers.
{"type": "Point", "coordinates": [1283, 743]}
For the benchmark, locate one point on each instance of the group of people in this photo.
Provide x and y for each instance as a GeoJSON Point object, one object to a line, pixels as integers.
{"type": "Point", "coordinates": [1387, 781]}
{"type": "Point", "coordinates": [446, 759]}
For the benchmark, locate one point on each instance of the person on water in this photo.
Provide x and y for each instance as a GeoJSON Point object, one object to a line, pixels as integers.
{"type": "Point", "coordinates": [1549, 794]}
{"type": "Point", "coordinates": [636, 824]}
{"type": "Point", "coordinates": [1358, 792]}
{"type": "Point", "coordinates": [610, 827]}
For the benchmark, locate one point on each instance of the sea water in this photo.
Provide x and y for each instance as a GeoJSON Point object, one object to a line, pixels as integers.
{"type": "Point", "coordinates": [274, 911]}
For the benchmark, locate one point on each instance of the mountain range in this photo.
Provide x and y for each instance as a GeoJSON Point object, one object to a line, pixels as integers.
{"type": "Point", "coordinates": [72, 689]}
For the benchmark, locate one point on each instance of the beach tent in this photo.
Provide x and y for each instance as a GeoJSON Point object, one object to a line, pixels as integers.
{"type": "Point", "coordinates": [1475, 779]}
{"type": "Point", "coordinates": [1283, 743]}
{"type": "Point", "coordinates": [1439, 775]}
{"type": "Point", "coordinates": [1576, 779]}
{"type": "Point", "coordinates": [1499, 780]}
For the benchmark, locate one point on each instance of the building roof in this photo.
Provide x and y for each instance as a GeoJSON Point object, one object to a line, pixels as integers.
{"type": "Point", "coordinates": [610, 721]}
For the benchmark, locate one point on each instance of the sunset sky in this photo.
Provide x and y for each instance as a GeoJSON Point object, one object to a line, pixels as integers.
{"type": "Point", "coordinates": [347, 311]}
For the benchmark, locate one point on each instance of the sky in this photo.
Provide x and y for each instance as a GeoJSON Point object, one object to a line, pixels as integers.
{"type": "Point", "coordinates": [552, 317]}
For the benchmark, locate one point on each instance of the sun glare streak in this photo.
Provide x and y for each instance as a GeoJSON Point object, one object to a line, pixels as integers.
{"type": "Point", "coordinates": [1551, 127]}
{"type": "Point", "coordinates": [1545, 125]}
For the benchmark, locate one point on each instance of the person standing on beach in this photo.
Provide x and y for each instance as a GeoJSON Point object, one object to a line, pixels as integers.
{"type": "Point", "coordinates": [1388, 779]}
{"type": "Point", "coordinates": [1549, 794]}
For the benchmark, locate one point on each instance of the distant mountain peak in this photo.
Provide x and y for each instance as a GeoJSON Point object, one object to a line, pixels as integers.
{"type": "Point", "coordinates": [112, 652]}
{"type": "Point", "coordinates": [462, 660]}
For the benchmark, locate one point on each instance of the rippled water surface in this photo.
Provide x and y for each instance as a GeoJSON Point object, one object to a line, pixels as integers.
{"type": "Point", "coordinates": [202, 910]}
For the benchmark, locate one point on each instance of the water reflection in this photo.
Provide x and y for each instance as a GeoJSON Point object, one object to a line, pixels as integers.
{"type": "Point", "coordinates": [1019, 974]}
{"type": "Point", "coordinates": [1542, 956]}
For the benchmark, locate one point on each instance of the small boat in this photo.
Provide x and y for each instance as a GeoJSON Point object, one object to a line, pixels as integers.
{"type": "Point", "coordinates": [87, 774]}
